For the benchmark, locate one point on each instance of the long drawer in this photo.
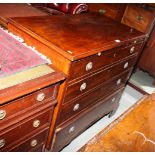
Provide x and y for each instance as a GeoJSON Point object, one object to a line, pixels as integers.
{"type": "Point", "coordinates": [27, 102]}
{"type": "Point", "coordinates": [35, 143]}
{"type": "Point", "coordinates": [71, 109]}
{"type": "Point", "coordinates": [92, 81]}
{"type": "Point", "coordinates": [97, 61]}
{"type": "Point", "coordinates": [68, 132]}
{"type": "Point", "coordinates": [9, 136]}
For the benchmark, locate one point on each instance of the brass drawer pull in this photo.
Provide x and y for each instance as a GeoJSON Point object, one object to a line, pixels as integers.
{"type": "Point", "coordinates": [126, 65]}
{"type": "Point", "coordinates": [135, 42]}
{"type": "Point", "coordinates": [40, 97]}
{"type": "Point", "coordinates": [89, 66]}
{"type": "Point", "coordinates": [139, 18]}
{"type": "Point", "coordinates": [71, 129]}
{"type": "Point", "coordinates": [2, 143]}
{"type": "Point", "coordinates": [76, 107]}
{"type": "Point", "coordinates": [58, 129]}
{"type": "Point", "coordinates": [83, 86]}
{"type": "Point", "coordinates": [132, 49]}
{"type": "Point", "coordinates": [99, 54]}
{"type": "Point", "coordinates": [102, 11]}
{"type": "Point", "coordinates": [34, 142]}
{"type": "Point", "coordinates": [118, 81]}
{"type": "Point", "coordinates": [2, 114]}
{"type": "Point", "coordinates": [113, 100]}
{"type": "Point", "coordinates": [114, 55]}
{"type": "Point", "coordinates": [36, 123]}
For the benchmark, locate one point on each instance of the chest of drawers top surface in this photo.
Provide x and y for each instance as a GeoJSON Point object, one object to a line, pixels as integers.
{"type": "Point", "coordinates": [30, 86]}
{"type": "Point", "coordinates": [76, 36]}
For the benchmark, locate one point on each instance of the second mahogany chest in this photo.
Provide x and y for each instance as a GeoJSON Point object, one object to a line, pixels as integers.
{"type": "Point", "coordinates": [26, 111]}
{"type": "Point", "coordinates": [96, 53]}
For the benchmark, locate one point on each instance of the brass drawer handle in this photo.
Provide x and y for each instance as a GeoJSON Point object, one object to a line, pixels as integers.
{"type": "Point", "coordinates": [113, 100]}
{"type": "Point", "coordinates": [2, 143]}
{"type": "Point", "coordinates": [102, 11]}
{"type": "Point", "coordinates": [76, 107]}
{"type": "Point", "coordinates": [126, 65]}
{"type": "Point", "coordinates": [118, 81]}
{"type": "Point", "coordinates": [58, 129]}
{"type": "Point", "coordinates": [83, 86]}
{"type": "Point", "coordinates": [135, 42]}
{"type": "Point", "coordinates": [139, 18]}
{"type": "Point", "coordinates": [40, 97]}
{"type": "Point", "coordinates": [2, 114]}
{"type": "Point", "coordinates": [34, 142]}
{"type": "Point", "coordinates": [132, 49]}
{"type": "Point", "coordinates": [99, 54]}
{"type": "Point", "coordinates": [36, 123]}
{"type": "Point", "coordinates": [114, 55]}
{"type": "Point", "coordinates": [89, 66]}
{"type": "Point", "coordinates": [71, 129]}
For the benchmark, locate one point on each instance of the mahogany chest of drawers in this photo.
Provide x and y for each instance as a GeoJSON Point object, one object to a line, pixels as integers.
{"type": "Point", "coordinates": [26, 111]}
{"type": "Point", "coordinates": [96, 53]}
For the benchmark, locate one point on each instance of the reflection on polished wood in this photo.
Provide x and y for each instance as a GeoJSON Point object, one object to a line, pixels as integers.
{"type": "Point", "coordinates": [134, 132]}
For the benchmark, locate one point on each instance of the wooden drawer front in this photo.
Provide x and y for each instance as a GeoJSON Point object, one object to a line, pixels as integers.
{"type": "Point", "coordinates": [26, 103]}
{"type": "Point", "coordinates": [90, 82]}
{"type": "Point", "coordinates": [40, 148]}
{"type": "Point", "coordinates": [114, 11]}
{"type": "Point", "coordinates": [19, 131]}
{"type": "Point", "coordinates": [103, 9]}
{"type": "Point", "coordinates": [67, 133]}
{"type": "Point", "coordinates": [88, 100]}
{"type": "Point", "coordinates": [138, 18]}
{"type": "Point", "coordinates": [33, 144]}
{"type": "Point", "coordinates": [92, 63]}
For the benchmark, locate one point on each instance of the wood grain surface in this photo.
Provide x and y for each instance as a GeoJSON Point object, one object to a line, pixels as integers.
{"type": "Point", "coordinates": [135, 131]}
{"type": "Point", "coordinates": [76, 36]}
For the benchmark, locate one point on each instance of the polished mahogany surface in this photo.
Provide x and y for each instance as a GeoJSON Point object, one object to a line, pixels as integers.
{"type": "Point", "coordinates": [77, 36]}
{"type": "Point", "coordinates": [134, 132]}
